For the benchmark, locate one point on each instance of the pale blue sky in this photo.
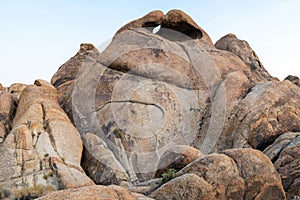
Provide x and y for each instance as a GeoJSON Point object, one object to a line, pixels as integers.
{"type": "Point", "coordinates": [37, 36]}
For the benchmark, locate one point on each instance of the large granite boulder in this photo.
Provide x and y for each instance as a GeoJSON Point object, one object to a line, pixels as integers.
{"type": "Point", "coordinates": [148, 92]}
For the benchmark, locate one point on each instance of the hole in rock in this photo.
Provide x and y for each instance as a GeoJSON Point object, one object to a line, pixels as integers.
{"type": "Point", "coordinates": [179, 32]}
{"type": "Point", "coordinates": [150, 26]}
{"type": "Point", "coordinates": [156, 29]}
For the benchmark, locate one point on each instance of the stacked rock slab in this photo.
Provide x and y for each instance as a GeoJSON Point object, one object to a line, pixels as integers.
{"type": "Point", "coordinates": [42, 151]}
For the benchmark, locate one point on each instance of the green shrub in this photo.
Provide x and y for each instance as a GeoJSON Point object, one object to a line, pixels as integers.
{"type": "Point", "coordinates": [169, 175]}
{"type": "Point", "coordinates": [118, 132]}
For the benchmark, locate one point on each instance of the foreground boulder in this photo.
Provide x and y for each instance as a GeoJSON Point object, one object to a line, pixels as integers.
{"type": "Point", "coordinates": [235, 174]}
{"type": "Point", "coordinates": [42, 151]}
{"type": "Point", "coordinates": [95, 192]}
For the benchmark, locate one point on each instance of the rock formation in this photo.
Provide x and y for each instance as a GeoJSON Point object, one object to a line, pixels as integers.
{"type": "Point", "coordinates": [41, 149]}
{"type": "Point", "coordinates": [160, 101]}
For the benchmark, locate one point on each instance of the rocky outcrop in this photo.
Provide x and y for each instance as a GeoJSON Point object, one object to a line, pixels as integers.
{"type": "Point", "coordinates": [95, 192]}
{"type": "Point", "coordinates": [129, 148]}
{"type": "Point", "coordinates": [235, 174]}
{"type": "Point", "coordinates": [42, 151]}
{"type": "Point", "coordinates": [161, 112]}
{"type": "Point", "coordinates": [147, 93]}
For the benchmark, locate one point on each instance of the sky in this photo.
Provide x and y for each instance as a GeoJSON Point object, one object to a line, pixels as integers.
{"type": "Point", "coordinates": [37, 37]}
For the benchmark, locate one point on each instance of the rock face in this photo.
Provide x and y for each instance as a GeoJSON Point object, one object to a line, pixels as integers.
{"type": "Point", "coordinates": [42, 150]}
{"type": "Point", "coordinates": [162, 112]}
{"type": "Point", "coordinates": [235, 174]}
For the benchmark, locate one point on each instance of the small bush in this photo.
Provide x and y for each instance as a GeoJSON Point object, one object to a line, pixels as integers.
{"type": "Point", "coordinates": [118, 132]}
{"type": "Point", "coordinates": [169, 175]}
